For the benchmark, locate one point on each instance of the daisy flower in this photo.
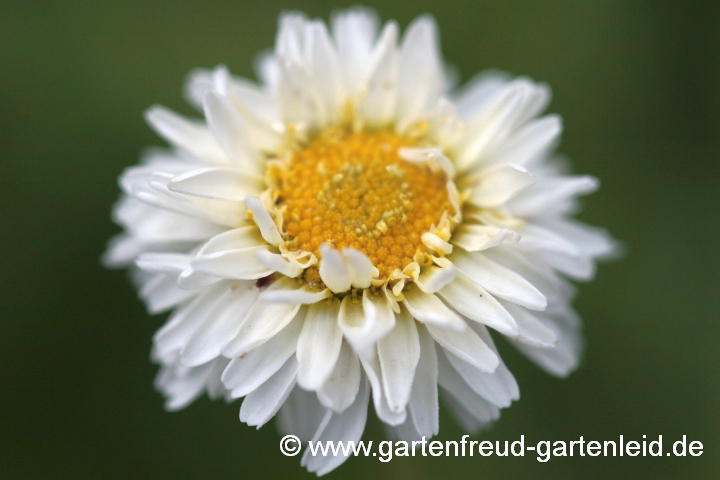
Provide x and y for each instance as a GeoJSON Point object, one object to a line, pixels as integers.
{"type": "Point", "coordinates": [349, 229]}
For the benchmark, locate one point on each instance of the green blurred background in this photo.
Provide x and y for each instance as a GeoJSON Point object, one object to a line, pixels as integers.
{"type": "Point", "coordinates": [637, 85]}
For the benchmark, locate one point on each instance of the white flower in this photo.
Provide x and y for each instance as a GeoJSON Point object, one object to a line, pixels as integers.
{"type": "Point", "coordinates": [348, 229]}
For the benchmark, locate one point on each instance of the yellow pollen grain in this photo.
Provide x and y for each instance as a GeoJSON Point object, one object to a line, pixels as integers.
{"type": "Point", "coordinates": [350, 189]}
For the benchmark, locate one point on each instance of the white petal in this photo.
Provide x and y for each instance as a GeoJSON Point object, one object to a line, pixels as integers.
{"type": "Point", "coordinates": [189, 135]}
{"type": "Point", "coordinates": [432, 279]}
{"type": "Point", "coordinates": [162, 293]}
{"type": "Point", "coordinates": [424, 408]}
{"type": "Point", "coordinates": [382, 409]}
{"type": "Point", "coordinates": [498, 280]}
{"type": "Point", "coordinates": [564, 357]}
{"type": "Point", "coordinates": [592, 241]}
{"type": "Point", "coordinates": [433, 242]}
{"type": "Point", "coordinates": [549, 192]}
{"type": "Point", "coordinates": [230, 131]}
{"type": "Point", "coordinates": [263, 220]}
{"type": "Point", "coordinates": [399, 352]}
{"type": "Point", "coordinates": [361, 268]}
{"type": "Point", "coordinates": [472, 418]}
{"type": "Point", "coordinates": [264, 402]}
{"type": "Point", "coordinates": [241, 264]}
{"type": "Point", "coordinates": [531, 330]}
{"type": "Point", "coordinates": [478, 92]}
{"type": "Point", "coordinates": [333, 271]}
{"type": "Point", "coordinates": [244, 374]}
{"type": "Point", "coordinates": [319, 344]}
{"type": "Point", "coordinates": [301, 414]}
{"type": "Point", "coordinates": [190, 279]}
{"type": "Point", "coordinates": [536, 238]}
{"type": "Point", "coordinates": [221, 325]}
{"type": "Point", "coordinates": [450, 380]}
{"type": "Point", "coordinates": [531, 142]}
{"type": "Point", "coordinates": [262, 322]}
{"type": "Point", "coordinates": [472, 301]}
{"type": "Point", "coordinates": [497, 387]}
{"type": "Point", "coordinates": [405, 432]}
{"type": "Point", "coordinates": [428, 155]}
{"type": "Point", "coordinates": [299, 100]}
{"type": "Point", "coordinates": [420, 74]}
{"type": "Point", "coordinates": [339, 390]}
{"type": "Point", "coordinates": [278, 263]}
{"type": "Point", "coordinates": [363, 324]}
{"type": "Point", "coordinates": [466, 345]}
{"type": "Point", "coordinates": [378, 105]}
{"type": "Point", "coordinates": [497, 185]}
{"type": "Point", "coordinates": [172, 263]}
{"type": "Point", "coordinates": [325, 66]}
{"type": "Point", "coordinates": [233, 239]}
{"type": "Point", "coordinates": [490, 126]}
{"type": "Point", "coordinates": [354, 32]}
{"type": "Point", "coordinates": [430, 310]}
{"type": "Point", "coordinates": [344, 427]}
{"type": "Point", "coordinates": [289, 291]}
{"type": "Point", "coordinates": [474, 238]}
{"type": "Point", "coordinates": [223, 183]}
{"type": "Point", "coordinates": [182, 385]}
{"type": "Point", "coordinates": [172, 336]}
{"type": "Point", "coordinates": [578, 268]}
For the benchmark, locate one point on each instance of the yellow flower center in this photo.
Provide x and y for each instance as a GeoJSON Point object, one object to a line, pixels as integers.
{"type": "Point", "coordinates": [350, 189]}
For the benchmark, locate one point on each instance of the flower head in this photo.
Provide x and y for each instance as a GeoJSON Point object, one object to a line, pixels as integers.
{"type": "Point", "coordinates": [349, 228]}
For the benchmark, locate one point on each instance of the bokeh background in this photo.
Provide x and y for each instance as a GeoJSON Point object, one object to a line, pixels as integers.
{"type": "Point", "coordinates": [637, 84]}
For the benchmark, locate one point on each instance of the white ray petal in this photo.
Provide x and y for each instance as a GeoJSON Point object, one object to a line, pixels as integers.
{"type": "Point", "coordinates": [230, 131]}
{"type": "Point", "coordinates": [241, 264]}
{"type": "Point", "coordinates": [162, 293]}
{"type": "Point", "coordinates": [172, 263]}
{"type": "Point", "coordinates": [278, 263]}
{"type": "Point", "coordinates": [301, 414]}
{"type": "Point", "coordinates": [496, 185]}
{"type": "Point", "coordinates": [472, 301]}
{"type": "Point", "coordinates": [430, 310]}
{"type": "Point", "coordinates": [262, 322]}
{"type": "Point", "coordinates": [354, 32]}
{"type": "Point", "coordinates": [420, 73]}
{"type": "Point", "coordinates": [499, 280]}
{"type": "Point", "coordinates": [424, 407]}
{"type": "Point", "coordinates": [333, 270]}
{"type": "Point", "coordinates": [531, 329]}
{"type": "Point", "coordinates": [344, 427]}
{"type": "Point", "coordinates": [378, 104]}
{"type": "Point", "coordinates": [479, 408]}
{"type": "Point", "coordinates": [225, 183]}
{"type": "Point", "coordinates": [360, 266]}
{"type": "Point", "coordinates": [264, 221]}
{"type": "Point", "coordinates": [263, 403]}
{"type": "Point", "coordinates": [172, 336]}
{"type": "Point", "coordinates": [221, 325]}
{"type": "Point", "coordinates": [373, 372]}
{"type": "Point", "coordinates": [466, 345]}
{"type": "Point", "coordinates": [289, 291]}
{"type": "Point", "coordinates": [340, 389]}
{"type": "Point", "coordinates": [319, 344]}
{"type": "Point", "coordinates": [192, 136]}
{"type": "Point", "coordinates": [433, 242]}
{"type": "Point", "coordinates": [474, 238]}
{"type": "Point", "coordinates": [325, 67]}
{"type": "Point", "coordinates": [399, 352]}
{"type": "Point", "coordinates": [432, 279]}
{"type": "Point", "coordinates": [550, 192]}
{"type": "Point", "coordinates": [244, 374]}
